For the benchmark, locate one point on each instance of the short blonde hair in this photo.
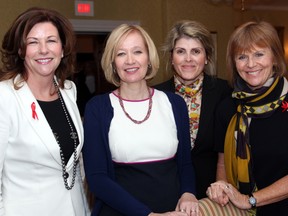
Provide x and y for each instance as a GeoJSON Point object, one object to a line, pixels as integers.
{"type": "Point", "coordinates": [107, 61]}
{"type": "Point", "coordinates": [246, 37]}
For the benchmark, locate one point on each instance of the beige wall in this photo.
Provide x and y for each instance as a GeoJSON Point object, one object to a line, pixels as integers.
{"type": "Point", "coordinates": [156, 16]}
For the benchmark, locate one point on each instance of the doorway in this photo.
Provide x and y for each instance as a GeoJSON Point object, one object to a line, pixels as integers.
{"type": "Point", "coordinates": [89, 77]}
{"type": "Point", "coordinates": [91, 37]}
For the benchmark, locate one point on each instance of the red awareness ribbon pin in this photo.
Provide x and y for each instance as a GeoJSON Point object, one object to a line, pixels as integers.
{"type": "Point", "coordinates": [284, 106]}
{"type": "Point", "coordinates": [34, 114]}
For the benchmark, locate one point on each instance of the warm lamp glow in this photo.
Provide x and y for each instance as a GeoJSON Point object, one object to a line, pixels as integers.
{"type": "Point", "coordinates": [229, 2]}
{"type": "Point", "coordinates": [286, 49]}
{"type": "Point", "coordinates": [222, 1]}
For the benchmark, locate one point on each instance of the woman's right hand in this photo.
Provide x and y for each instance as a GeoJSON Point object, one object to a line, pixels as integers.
{"type": "Point", "coordinates": [216, 192]}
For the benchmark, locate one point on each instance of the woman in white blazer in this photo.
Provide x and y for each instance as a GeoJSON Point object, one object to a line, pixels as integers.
{"type": "Point", "coordinates": [41, 134]}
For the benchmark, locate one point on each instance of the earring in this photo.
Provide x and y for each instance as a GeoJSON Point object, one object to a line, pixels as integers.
{"type": "Point", "coordinates": [149, 66]}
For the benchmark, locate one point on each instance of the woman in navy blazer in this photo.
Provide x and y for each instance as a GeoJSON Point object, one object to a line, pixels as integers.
{"type": "Point", "coordinates": [41, 134]}
{"type": "Point", "coordinates": [136, 147]}
{"type": "Point", "coordinates": [191, 57]}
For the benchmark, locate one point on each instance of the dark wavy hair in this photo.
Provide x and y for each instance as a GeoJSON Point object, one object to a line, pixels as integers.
{"type": "Point", "coordinates": [14, 44]}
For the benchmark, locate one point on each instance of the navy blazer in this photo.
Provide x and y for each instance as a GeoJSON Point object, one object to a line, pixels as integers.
{"type": "Point", "coordinates": [204, 157]}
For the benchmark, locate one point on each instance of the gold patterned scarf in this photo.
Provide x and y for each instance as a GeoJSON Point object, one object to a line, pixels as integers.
{"type": "Point", "coordinates": [192, 95]}
{"type": "Point", "coordinates": [252, 104]}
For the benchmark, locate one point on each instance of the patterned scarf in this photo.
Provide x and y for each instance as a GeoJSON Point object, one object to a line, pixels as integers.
{"type": "Point", "coordinates": [252, 104]}
{"type": "Point", "coordinates": [192, 95]}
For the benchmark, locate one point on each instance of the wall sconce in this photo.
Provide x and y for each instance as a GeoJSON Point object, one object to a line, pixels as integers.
{"type": "Point", "coordinates": [228, 2]}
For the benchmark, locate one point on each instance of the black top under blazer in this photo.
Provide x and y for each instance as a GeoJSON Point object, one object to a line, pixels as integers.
{"type": "Point", "coordinates": [203, 155]}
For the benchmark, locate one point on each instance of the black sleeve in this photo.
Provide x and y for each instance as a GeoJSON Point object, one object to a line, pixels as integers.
{"type": "Point", "coordinates": [224, 113]}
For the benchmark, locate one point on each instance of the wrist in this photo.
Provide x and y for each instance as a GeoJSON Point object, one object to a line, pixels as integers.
{"type": "Point", "coordinates": [252, 201]}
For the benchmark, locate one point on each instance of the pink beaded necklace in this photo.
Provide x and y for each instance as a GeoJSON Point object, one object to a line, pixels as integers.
{"type": "Point", "coordinates": [127, 114]}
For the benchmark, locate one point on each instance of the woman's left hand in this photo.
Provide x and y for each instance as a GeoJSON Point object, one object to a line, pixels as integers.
{"type": "Point", "coordinates": [189, 204]}
{"type": "Point", "coordinates": [234, 196]}
{"type": "Point", "coordinates": [238, 199]}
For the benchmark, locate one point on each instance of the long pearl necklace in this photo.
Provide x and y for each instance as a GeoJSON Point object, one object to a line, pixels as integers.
{"type": "Point", "coordinates": [73, 135]}
{"type": "Point", "coordinates": [127, 114]}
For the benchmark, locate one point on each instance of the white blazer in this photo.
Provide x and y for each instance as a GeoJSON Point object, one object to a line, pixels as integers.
{"type": "Point", "coordinates": [30, 165]}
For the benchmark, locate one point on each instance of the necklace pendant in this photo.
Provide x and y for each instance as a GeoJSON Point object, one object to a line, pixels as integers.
{"type": "Point", "coordinates": [65, 175]}
{"type": "Point", "coordinates": [73, 135]}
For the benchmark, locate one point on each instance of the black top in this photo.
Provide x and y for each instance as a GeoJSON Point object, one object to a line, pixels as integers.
{"type": "Point", "coordinates": [269, 149]}
{"type": "Point", "coordinates": [204, 157]}
{"type": "Point", "coordinates": [55, 116]}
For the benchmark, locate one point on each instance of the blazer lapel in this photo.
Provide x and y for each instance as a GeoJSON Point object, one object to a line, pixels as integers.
{"type": "Point", "coordinates": [208, 97]}
{"type": "Point", "coordinates": [32, 110]}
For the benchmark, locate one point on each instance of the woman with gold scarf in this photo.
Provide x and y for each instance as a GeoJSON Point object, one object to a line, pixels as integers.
{"type": "Point", "coordinates": [252, 125]}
